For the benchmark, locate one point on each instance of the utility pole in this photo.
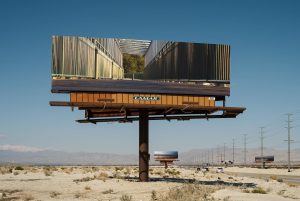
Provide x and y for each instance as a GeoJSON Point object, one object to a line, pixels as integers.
{"type": "Point", "coordinates": [262, 145]}
{"type": "Point", "coordinates": [289, 121]}
{"type": "Point", "coordinates": [212, 156]}
{"type": "Point", "coordinates": [245, 149]}
{"type": "Point", "coordinates": [224, 151]}
{"type": "Point", "coordinates": [218, 154]}
{"type": "Point", "coordinates": [233, 151]}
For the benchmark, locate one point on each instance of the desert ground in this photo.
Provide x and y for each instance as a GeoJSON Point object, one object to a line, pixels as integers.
{"type": "Point", "coordinates": [120, 183]}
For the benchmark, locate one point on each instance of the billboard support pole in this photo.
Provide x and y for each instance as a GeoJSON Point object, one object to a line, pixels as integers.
{"type": "Point", "coordinates": [144, 146]}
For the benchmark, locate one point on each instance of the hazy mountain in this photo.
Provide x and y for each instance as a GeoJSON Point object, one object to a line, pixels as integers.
{"type": "Point", "coordinates": [195, 156]}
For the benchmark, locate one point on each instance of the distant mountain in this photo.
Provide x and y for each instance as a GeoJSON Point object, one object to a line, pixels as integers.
{"type": "Point", "coordinates": [66, 158]}
{"type": "Point", "coordinates": [195, 156]}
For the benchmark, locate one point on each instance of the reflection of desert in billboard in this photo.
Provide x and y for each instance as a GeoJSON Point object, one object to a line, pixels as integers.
{"type": "Point", "coordinates": [152, 60]}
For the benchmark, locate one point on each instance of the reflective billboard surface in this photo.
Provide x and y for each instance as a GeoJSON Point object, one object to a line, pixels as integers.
{"type": "Point", "coordinates": [114, 59]}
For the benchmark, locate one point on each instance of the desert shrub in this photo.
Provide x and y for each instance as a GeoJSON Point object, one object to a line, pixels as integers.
{"type": "Point", "coordinates": [102, 176]}
{"type": "Point", "coordinates": [109, 191]}
{"type": "Point", "coordinates": [16, 173]}
{"type": "Point", "coordinates": [153, 195]}
{"type": "Point", "coordinates": [87, 188]}
{"type": "Point", "coordinates": [78, 195]}
{"type": "Point", "coordinates": [26, 197]}
{"type": "Point", "coordinates": [126, 198]}
{"type": "Point", "coordinates": [280, 180]}
{"type": "Point", "coordinates": [190, 192]}
{"type": "Point", "coordinates": [19, 168]}
{"type": "Point", "coordinates": [246, 191]}
{"type": "Point", "coordinates": [54, 194]}
{"type": "Point", "coordinates": [119, 168]}
{"type": "Point", "coordinates": [259, 190]}
{"type": "Point", "coordinates": [47, 172]}
{"type": "Point", "coordinates": [84, 179]}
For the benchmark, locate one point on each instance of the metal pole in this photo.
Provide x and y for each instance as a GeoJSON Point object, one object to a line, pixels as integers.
{"type": "Point", "coordinates": [262, 146]}
{"type": "Point", "coordinates": [245, 149]}
{"type": "Point", "coordinates": [224, 152]}
{"type": "Point", "coordinates": [289, 141]}
{"type": "Point", "coordinates": [232, 151]}
{"type": "Point", "coordinates": [143, 146]}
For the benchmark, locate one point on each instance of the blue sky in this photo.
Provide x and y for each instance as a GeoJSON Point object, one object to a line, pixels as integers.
{"type": "Point", "coordinates": [265, 68]}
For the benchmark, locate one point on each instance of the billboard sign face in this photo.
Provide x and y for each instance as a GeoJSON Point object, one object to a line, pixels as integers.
{"type": "Point", "coordinates": [139, 66]}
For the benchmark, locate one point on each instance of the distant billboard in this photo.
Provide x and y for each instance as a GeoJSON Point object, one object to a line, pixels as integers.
{"type": "Point", "coordinates": [266, 159]}
{"type": "Point", "coordinates": [144, 66]}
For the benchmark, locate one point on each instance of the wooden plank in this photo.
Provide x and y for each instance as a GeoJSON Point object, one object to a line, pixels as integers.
{"type": "Point", "coordinates": [201, 101]}
{"type": "Point", "coordinates": [206, 102]}
{"type": "Point", "coordinates": [169, 100]}
{"type": "Point", "coordinates": [174, 100]}
{"type": "Point", "coordinates": [179, 100]}
{"type": "Point", "coordinates": [125, 98]}
{"type": "Point", "coordinates": [73, 97]}
{"type": "Point", "coordinates": [130, 98]}
{"type": "Point", "coordinates": [119, 98]}
{"type": "Point", "coordinates": [96, 97]}
{"type": "Point", "coordinates": [114, 97]}
{"type": "Point", "coordinates": [85, 97]}
{"type": "Point", "coordinates": [163, 99]}
{"type": "Point", "coordinates": [91, 97]}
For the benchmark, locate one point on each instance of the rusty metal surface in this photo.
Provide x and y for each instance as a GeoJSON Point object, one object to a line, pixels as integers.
{"type": "Point", "coordinates": [144, 146]}
{"type": "Point", "coordinates": [136, 86]}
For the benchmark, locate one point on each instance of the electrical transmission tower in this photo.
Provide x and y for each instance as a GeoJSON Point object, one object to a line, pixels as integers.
{"type": "Point", "coordinates": [262, 145]}
{"type": "Point", "coordinates": [289, 121]}
{"type": "Point", "coordinates": [224, 152]}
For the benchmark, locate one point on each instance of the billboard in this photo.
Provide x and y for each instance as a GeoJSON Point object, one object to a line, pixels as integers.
{"type": "Point", "coordinates": [139, 66]}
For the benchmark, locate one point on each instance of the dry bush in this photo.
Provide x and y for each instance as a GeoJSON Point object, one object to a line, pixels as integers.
{"type": "Point", "coordinates": [190, 192]}
{"type": "Point", "coordinates": [16, 173]}
{"type": "Point", "coordinates": [84, 179]}
{"type": "Point", "coordinates": [19, 168]}
{"type": "Point", "coordinates": [109, 191]}
{"type": "Point", "coordinates": [26, 197]}
{"type": "Point", "coordinates": [119, 168]}
{"type": "Point", "coordinates": [87, 188]}
{"type": "Point", "coordinates": [78, 195]}
{"type": "Point", "coordinates": [102, 176]}
{"type": "Point", "coordinates": [259, 190]}
{"type": "Point", "coordinates": [126, 198]}
{"type": "Point", "coordinates": [54, 194]}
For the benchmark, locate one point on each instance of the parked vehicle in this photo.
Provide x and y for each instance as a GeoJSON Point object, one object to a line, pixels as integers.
{"type": "Point", "coordinates": [220, 170]}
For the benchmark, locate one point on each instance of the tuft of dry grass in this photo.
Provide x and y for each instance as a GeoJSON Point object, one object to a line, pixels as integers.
{"type": "Point", "coordinates": [190, 192]}
{"type": "Point", "coordinates": [26, 197]}
{"type": "Point", "coordinates": [109, 191]}
{"type": "Point", "coordinates": [126, 198]}
{"type": "Point", "coordinates": [102, 176]}
{"type": "Point", "coordinates": [87, 188]}
{"type": "Point", "coordinates": [259, 190]}
{"type": "Point", "coordinates": [54, 194]}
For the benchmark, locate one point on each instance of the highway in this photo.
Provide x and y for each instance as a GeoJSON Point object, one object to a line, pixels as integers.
{"type": "Point", "coordinates": [286, 178]}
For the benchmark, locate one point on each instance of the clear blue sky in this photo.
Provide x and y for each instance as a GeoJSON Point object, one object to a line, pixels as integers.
{"type": "Point", "coordinates": [265, 68]}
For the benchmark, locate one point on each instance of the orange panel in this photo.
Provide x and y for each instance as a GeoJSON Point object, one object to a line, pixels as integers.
{"type": "Point", "coordinates": [114, 97]}
{"type": "Point", "coordinates": [91, 97]}
{"type": "Point", "coordinates": [206, 101]}
{"type": "Point", "coordinates": [130, 98]}
{"type": "Point", "coordinates": [163, 99]}
{"type": "Point", "coordinates": [119, 98]}
{"type": "Point", "coordinates": [174, 100]}
{"type": "Point", "coordinates": [185, 99]}
{"type": "Point", "coordinates": [179, 100]}
{"type": "Point", "coordinates": [196, 100]}
{"type": "Point", "coordinates": [125, 98]}
{"type": "Point", "coordinates": [79, 97]}
{"type": "Point", "coordinates": [169, 100]}
{"type": "Point", "coordinates": [85, 97]}
{"type": "Point", "coordinates": [201, 101]}
{"type": "Point", "coordinates": [73, 97]}
{"type": "Point", "coordinates": [96, 97]}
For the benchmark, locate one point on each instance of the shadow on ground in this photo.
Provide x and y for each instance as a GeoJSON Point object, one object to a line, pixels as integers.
{"type": "Point", "coordinates": [195, 181]}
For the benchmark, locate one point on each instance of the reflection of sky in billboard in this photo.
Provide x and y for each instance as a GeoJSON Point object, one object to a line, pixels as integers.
{"type": "Point", "coordinates": [264, 39]}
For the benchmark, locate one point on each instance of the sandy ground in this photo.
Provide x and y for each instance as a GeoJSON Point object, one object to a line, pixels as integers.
{"type": "Point", "coordinates": [108, 183]}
